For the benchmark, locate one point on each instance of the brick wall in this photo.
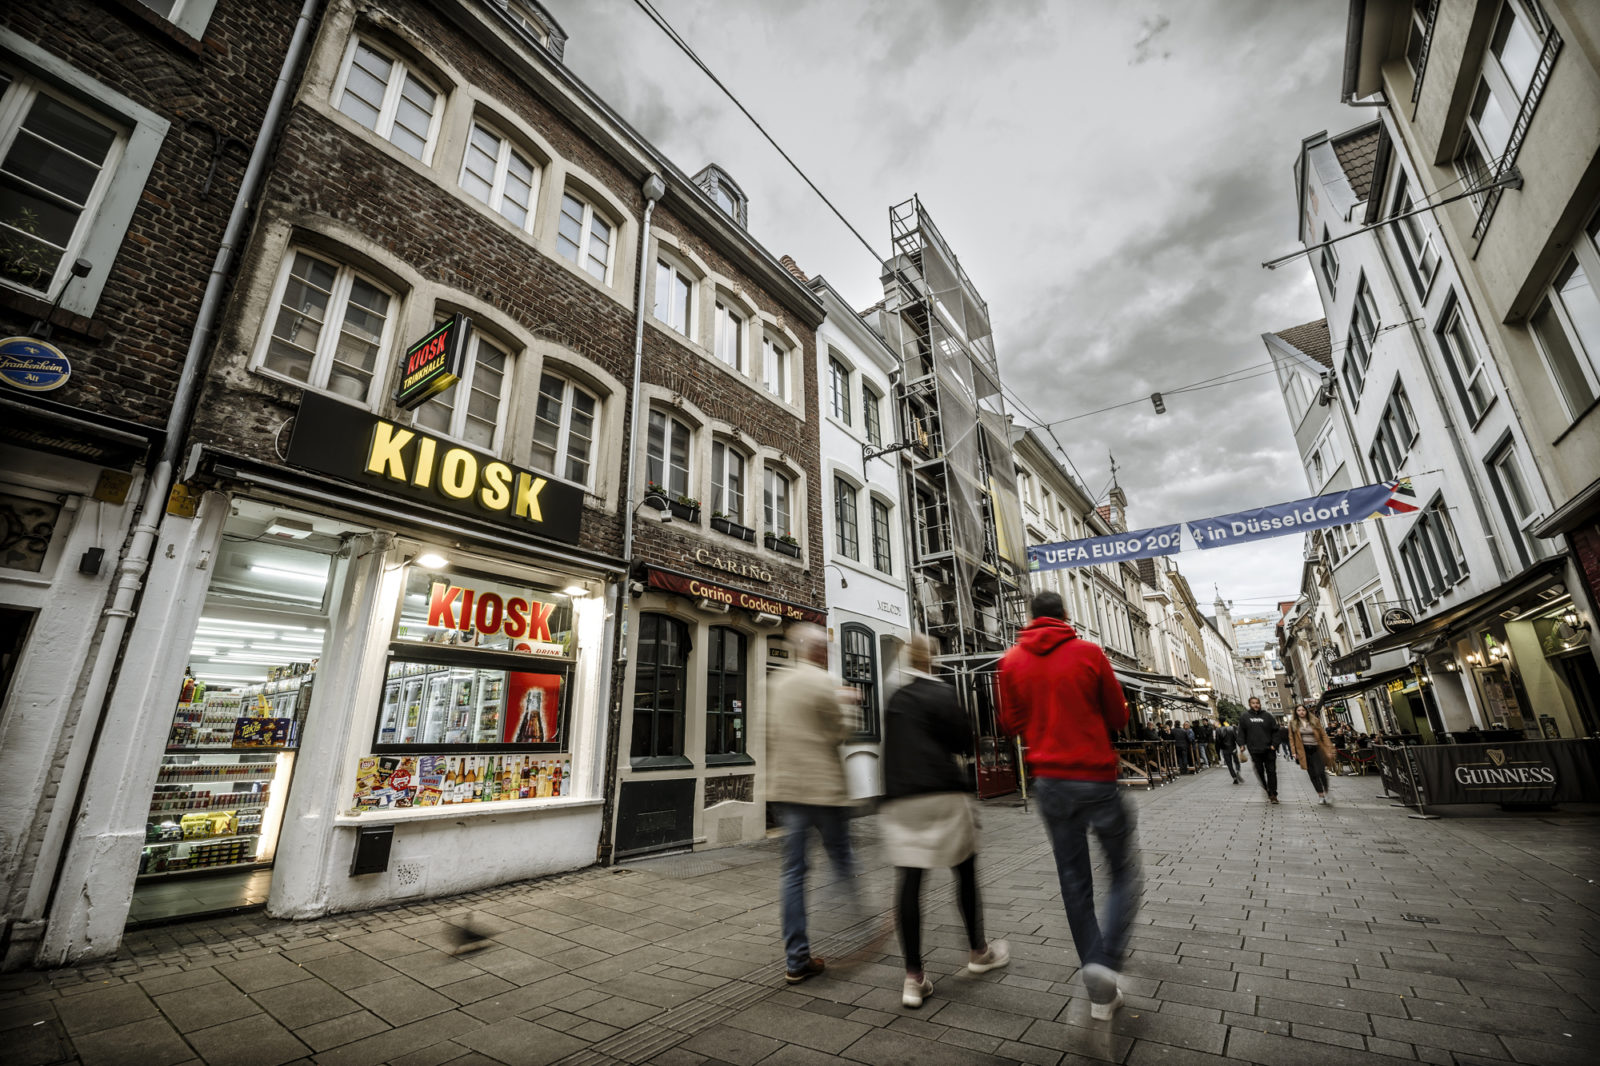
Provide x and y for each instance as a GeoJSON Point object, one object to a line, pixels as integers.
{"type": "Point", "coordinates": [125, 360]}
{"type": "Point", "coordinates": [1586, 546]}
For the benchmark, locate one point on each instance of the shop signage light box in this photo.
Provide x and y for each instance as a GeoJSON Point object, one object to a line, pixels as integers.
{"type": "Point", "coordinates": [433, 364]}
{"type": "Point", "coordinates": [355, 445]}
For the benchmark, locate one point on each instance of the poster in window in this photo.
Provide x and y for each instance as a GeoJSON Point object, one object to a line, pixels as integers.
{"type": "Point", "coordinates": [533, 709]}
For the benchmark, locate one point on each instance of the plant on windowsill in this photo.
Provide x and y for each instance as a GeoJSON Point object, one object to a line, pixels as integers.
{"type": "Point", "coordinates": [686, 508]}
{"type": "Point", "coordinates": [655, 496]}
{"type": "Point", "coordinates": [722, 523]}
{"type": "Point", "coordinates": [786, 544]}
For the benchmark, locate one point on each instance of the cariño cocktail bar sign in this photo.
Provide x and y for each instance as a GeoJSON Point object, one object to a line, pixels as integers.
{"type": "Point", "coordinates": [355, 445]}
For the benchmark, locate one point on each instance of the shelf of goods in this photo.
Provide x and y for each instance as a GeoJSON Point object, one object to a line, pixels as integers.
{"type": "Point", "coordinates": [206, 811]}
{"type": "Point", "coordinates": [434, 704]}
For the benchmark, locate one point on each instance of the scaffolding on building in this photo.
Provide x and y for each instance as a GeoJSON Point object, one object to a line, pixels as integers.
{"type": "Point", "coordinates": [969, 571]}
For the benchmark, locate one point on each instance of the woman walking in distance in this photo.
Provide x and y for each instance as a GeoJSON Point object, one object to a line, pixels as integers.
{"type": "Point", "coordinates": [1311, 748]}
{"type": "Point", "coordinates": [927, 813]}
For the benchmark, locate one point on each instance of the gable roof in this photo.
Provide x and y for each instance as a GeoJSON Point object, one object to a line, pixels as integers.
{"type": "Point", "coordinates": [1312, 339]}
{"type": "Point", "coordinates": [1356, 152]}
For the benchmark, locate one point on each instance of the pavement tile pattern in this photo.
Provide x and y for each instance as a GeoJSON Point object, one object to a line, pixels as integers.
{"type": "Point", "coordinates": [1278, 935]}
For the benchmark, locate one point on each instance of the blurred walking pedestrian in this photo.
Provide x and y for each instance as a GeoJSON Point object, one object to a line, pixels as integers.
{"type": "Point", "coordinates": [1059, 694]}
{"type": "Point", "coordinates": [1183, 739]}
{"type": "Point", "coordinates": [927, 816]}
{"type": "Point", "coordinates": [807, 722]}
{"type": "Point", "coordinates": [1228, 748]}
{"type": "Point", "coordinates": [1312, 749]}
{"type": "Point", "coordinates": [1258, 735]}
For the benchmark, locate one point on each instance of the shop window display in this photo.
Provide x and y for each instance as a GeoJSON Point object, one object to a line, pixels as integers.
{"type": "Point", "coordinates": [476, 698]}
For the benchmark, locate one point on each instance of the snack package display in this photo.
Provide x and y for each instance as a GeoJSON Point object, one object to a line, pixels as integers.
{"type": "Point", "coordinates": [385, 781]}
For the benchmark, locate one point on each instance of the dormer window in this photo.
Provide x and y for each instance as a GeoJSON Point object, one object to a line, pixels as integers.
{"type": "Point", "coordinates": [725, 193]}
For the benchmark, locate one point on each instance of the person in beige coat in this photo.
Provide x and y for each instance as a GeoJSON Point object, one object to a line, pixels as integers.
{"type": "Point", "coordinates": [1311, 748]}
{"type": "Point", "coordinates": [806, 722]}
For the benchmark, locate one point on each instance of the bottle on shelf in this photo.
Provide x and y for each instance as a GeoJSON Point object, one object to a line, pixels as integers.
{"type": "Point", "coordinates": [448, 791]}
{"type": "Point", "coordinates": [556, 778]}
{"type": "Point", "coordinates": [186, 695]}
{"type": "Point", "coordinates": [566, 776]}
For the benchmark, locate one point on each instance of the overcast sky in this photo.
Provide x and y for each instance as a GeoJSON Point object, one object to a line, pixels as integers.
{"type": "Point", "coordinates": [1110, 174]}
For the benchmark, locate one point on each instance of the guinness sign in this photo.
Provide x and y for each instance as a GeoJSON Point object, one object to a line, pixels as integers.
{"type": "Point", "coordinates": [1397, 618]}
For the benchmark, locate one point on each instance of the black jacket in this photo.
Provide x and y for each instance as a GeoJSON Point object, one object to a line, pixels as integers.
{"type": "Point", "coordinates": [1227, 738]}
{"type": "Point", "coordinates": [924, 729]}
{"type": "Point", "coordinates": [1259, 731]}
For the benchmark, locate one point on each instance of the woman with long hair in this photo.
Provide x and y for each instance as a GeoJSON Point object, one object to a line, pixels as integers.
{"type": "Point", "coordinates": [1311, 748]}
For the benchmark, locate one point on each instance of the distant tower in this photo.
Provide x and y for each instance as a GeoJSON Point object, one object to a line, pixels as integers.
{"type": "Point", "coordinates": [1119, 502]}
{"type": "Point", "coordinates": [1224, 618]}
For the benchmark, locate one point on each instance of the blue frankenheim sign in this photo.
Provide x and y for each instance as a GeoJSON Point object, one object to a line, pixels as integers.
{"type": "Point", "coordinates": [32, 365]}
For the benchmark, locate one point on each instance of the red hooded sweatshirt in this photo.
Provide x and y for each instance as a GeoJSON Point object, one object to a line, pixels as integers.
{"type": "Point", "coordinates": [1058, 694]}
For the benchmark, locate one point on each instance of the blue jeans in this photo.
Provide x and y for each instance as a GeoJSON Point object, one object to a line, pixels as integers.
{"type": "Point", "coordinates": [833, 825]}
{"type": "Point", "coordinates": [1071, 809]}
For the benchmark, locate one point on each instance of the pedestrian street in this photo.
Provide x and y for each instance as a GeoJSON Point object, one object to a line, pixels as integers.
{"type": "Point", "coordinates": [1283, 934]}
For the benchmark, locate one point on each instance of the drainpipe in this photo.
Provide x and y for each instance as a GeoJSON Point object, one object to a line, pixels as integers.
{"type": "Point", "coordinates": [142, 544]}
{"type": "Point", "coordinates": [654, 189]}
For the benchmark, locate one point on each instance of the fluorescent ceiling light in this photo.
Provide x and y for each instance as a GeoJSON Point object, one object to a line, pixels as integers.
{"type": "Point", "coordinates": [278, 571]}
{"type": "Point", "coordinates": [576, 591]}
{"type": "Point", "coordinates": [227, 677]}
{"type": "Point", "coordinates": [252, 625]}
{"type": "Point", "coordinates": [432, 560]}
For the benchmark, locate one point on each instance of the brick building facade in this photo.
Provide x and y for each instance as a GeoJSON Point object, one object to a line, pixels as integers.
{"type": "Point", "coordinates": [124, 139]}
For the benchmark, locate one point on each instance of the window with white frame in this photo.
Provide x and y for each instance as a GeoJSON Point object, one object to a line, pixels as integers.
{"type": "Point", "coordinates": [1416, 243]}
{"type": "Point", "coordinates": [1432, 554]}
{"type": "Point", "coordinates": [729, 336]}
{"type": "Point", "coordinates": [1504, 80]}
{"type": "Point", "coordinates": [485, 373]}
{"type": "Point", "coordinates": [564, 429]}
{"type": "Point", "coordinates": [330, 327]}
{"type": "Point", "coordinates": [1466, 369]}
{"type": "Point", "coordinates": [1416, 33]}
{"type": "Point", "coordinates": [494, 171]}
{"type": "Point", "coordinates": [674, 298]}
{"type": "Point", "coordinates": [727, 481]}
{"type": "Point", "coordinates": [1566, 325]}
{"type": "Point", "coordinates": [871, 414]}
{"type": "Point", "coordinates": [1516, 499]}
{"type": "Point", "coordinates": [380, 92]}
{"type": "Point", "coordinates": [667, 446]}
{"type": "Point", "coordinates": [882, 540]}
{"type": "Point", "coordinates": [775, 368]}
{"type": "Point", "coordinates": [1362, 335]}
{"type": "Point", "coordinates": [585, 238]}
{"type": "Point", "coordinates": [846, 524]}
{"type": "Point", "coordinates": [57, 160]}
{"type": "Point", "coordinates": [775, 496]}
{"type": "Point", "coordinates": [839, 389]}
{"type": "Point", "coordinates": [190, 16]}
{"type": "Point", "coordinates": [1330, 263]}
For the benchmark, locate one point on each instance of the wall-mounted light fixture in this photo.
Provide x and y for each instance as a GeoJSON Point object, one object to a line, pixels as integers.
{"type": "Point", "coordinates": [431, 560]}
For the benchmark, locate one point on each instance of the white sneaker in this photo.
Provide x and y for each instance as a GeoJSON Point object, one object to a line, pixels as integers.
{"type": "Point", "coordinates": [1102, 1012]}
{"type": "Point", "coordinates": [996, 955]}
{"type": "Point", "coordinates": [1101, 981]}
{"type": "Point", "coordinates": [915, 992]}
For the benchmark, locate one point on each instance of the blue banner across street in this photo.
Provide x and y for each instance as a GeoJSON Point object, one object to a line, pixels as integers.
{"type": "Point", "coordinates": [1283, 519]}
{"type": "Point", "coordinates": [1119, 547]}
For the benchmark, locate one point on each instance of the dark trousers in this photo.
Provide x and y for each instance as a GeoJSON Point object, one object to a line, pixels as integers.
{"type": "Point", "coordinates": [1266, 767]}
{"type": "Point", "coordinates": [910, 910]}
{"type": "Point", "coordinates": [1316, 769]}
{"type": "Point", "coordinates": [1183, 758]}
{"type": "Point", "coordinates": [1230, 759]}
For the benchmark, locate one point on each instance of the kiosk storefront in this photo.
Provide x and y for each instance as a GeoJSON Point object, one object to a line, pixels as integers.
{"type": "Point", "coordinates": [374, 702]}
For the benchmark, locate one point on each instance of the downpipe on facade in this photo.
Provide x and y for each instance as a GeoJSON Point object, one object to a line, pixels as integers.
{"type": "Point", "coordinates": [653, 189]}
{"type": "Point", "coordinates": [142, 543]}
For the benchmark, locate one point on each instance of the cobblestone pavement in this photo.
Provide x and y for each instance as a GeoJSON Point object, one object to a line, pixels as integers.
{"type": "Point", "coordinates": [1295, 934]}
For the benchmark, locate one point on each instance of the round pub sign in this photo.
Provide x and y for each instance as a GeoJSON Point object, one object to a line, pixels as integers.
{"type": "Point", "coordinates": [32, 365]}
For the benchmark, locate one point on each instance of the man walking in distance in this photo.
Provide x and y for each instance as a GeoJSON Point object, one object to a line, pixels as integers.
{"type": "Point", "coordinates": [806, 724]}
{"type": "Point", "coordinates": [1058, 693]}
{"type": "Point", "coordinates": [1258, 734]}
{"type": "Point", "coordinates": [1228, 747]}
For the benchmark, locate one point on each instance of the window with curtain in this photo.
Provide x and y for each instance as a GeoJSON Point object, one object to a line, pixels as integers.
{"type": "Point", "coordinates": [564, 430]}
{"type": "Point", "coordinates": [882, 545]}
{"type": "Point", "coordinates": [659, 690]}
{"type": "Point", "coordinates": [727, 706]}
{"type": "Point", "coordinates": [667, 454]}
{"type": "Point", "coordinates": [727, 481]}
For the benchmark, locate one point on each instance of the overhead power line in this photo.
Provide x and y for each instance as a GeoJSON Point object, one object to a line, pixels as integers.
{"type": "Point", "coordinates": [666, 27]}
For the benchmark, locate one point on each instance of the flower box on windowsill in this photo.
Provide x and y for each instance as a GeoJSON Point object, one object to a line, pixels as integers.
{"type": "Point", "coordinates": [732, 528]}
{"type": "Point", "coordinates": [689, 512]}
{"type": "Point", "coordinates": [787, 547]}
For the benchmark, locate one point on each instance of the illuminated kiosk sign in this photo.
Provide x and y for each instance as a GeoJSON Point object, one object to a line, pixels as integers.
{"type": "Point", "coordinates": [355, 445]}
{"type": "Point", "coordinates": [432, 364]}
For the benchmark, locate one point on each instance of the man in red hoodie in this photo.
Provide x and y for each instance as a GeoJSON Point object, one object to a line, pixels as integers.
{"type": "Point", "coordinates": [1058, 693]}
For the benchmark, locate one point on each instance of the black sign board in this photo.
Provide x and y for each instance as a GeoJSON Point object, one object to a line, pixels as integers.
{"type": "Point", "coordinates": [1397, 618]}
{"type": "Point", "coordinates": [355, 445]}
{"type": "Point", "coordinates": [432, 364]}
{"type": "Point", "coordinates": [1536, 771]}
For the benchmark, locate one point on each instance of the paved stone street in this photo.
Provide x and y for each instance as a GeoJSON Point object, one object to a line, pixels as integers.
{"type": "Point", "coordinates": [1295, 934]}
